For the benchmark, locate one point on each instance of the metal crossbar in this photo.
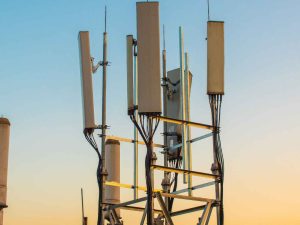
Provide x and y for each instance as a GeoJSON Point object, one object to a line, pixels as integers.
{"type": "Point", "coordinates": [200, 199]}
{"type": "Point", "coordinates": [206, 214]}
{"type": "Point", "coordinates": [129, 186]}
{"type": "Point", "coordinates": [189, 141]}
{"type": "Point", "coordinates": [195, 187]}
{"type": "Point", "coordinates": [181, 171]}
{"type": "Point", "coordinates": [131, 141]}
{"type": "Point", "coordinates": [185, 122]}
{"type": "Point", "coordinates": [164, 209]}
{"type": "Point", "coordinates": [184, 211]}
{"type": "Point", "coordinates": [131, 208]}
{"type": "Point", "coordinates": [123, 204]}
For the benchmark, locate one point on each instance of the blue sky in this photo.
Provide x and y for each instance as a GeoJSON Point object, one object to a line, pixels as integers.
{"type": "Point", "coordinates": [40, 93]}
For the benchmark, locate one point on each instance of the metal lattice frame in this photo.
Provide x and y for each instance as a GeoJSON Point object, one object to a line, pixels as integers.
{"type": "Point", "coordinates": [147, 124]}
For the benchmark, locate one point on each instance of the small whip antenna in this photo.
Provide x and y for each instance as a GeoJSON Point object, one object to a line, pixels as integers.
{"type": "Point", "coordinates": [208, 16]}
{"type": "Point", "coordinates": [105, 19]}
{"type": "Point", "coordinates": [82, 206]}
{"type": "Point", "coordinates": [164, 38]}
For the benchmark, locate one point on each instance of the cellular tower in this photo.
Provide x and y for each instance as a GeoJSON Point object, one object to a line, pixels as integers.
{"type": "Point", "coordinates": [157, 97]}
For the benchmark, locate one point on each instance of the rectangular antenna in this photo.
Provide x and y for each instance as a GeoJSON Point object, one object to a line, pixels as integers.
{"type": "Point", "coordinates": [129, 41]}
{"type": "Point", "coordinates": [215, 57]}
{"type": "Point", "coordinates": [149, 95]}
{"type": "Point", "coordinates": [4, 151]}
{"type": "Point", "coordinates": [86, 80]}
{"type": "Point", "coordinates": [173, 107]}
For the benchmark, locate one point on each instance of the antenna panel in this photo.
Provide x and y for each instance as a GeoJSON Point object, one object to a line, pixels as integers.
{"type": "Point", "coordinates": [215, 57]}
{"type": "Point", "coordinates": [4, 147]}
{"type": "Point", "coordinates": [149, 95]}
{"type": "Point", "coordinates": [112, 194]}
{"type": "Point", "coordinates": [129, 41]}
{"type": "Point", "coordinates": [174, 109]}
{"type": "Point", "coordinates": [86, 80]}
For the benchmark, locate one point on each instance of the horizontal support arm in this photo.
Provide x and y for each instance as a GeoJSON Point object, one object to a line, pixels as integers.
{"type": "Point", "coordinates": [184, 211]}
{"type": "Point", "coordinates": [185, 122]}
{"type": "Point", "coordinates": [131, 208]}
{"type": "Point", "coordinates": [199, 199]}
{"type": "Point", "coordinates": [132, 141]}
{"type": "Point", "coordinates": [120, 205]}
{"type": "Point", "coordinates": [181, 171]}
{"type": "Point", "coordinates": [195, 187]}
{"type": "Point", "coordinates": [189, 141]}
{"type": "Point", "coordinates": [129, 186]}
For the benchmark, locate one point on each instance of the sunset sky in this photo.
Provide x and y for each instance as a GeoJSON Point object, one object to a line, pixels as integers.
{"type": "Point", "coordinates": [40, 93]}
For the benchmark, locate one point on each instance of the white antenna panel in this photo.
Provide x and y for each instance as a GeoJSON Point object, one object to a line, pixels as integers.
{"type": "Point", "coordinates": [148, 41]}
{"type": "Point", "coordinates": [112, 194]}
{"type": "Point", "coordinates": [215, 57]}
{"type": "Point", "coordinates": [4, 147]}
{"type": "Point", "coordinates": [174, 106]}
{"type": "Point", "coordinates": [130, 72]}
{"type": "Point", "coordinates": [86, 80]}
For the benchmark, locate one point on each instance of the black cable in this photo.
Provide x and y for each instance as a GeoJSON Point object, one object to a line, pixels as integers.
{"type": "Point", "coordinates": [177, 165]}
{"type": "Point", "coordinates": [215, 104]}
{"type": "Point", "coordinates": [88, 133]}
{"type": "Point", "coordinates": [147, 134]}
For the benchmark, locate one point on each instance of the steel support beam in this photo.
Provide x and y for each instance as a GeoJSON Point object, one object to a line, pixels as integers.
{"type": "Point", "coordinates": [187, 114]}
{"type": "Point", "coordinates": [164, 209]}
{"type": "Point", "coordinates": [205, 215]}
{"type": "Point", "coordinates": [135, 130]}
{"type": "Point", "coordinates": [144, 215]}
{"type": "Point", "coordinates": [183, 102]}
{"type": "Point", "coordinates": [128, 140]}
{"type": "Point", "coordinates": [199, 199]}
{"type": "Point", "coordinates": [181, 171]}
{"type": "Point", "coordinates": [104, 126]}
{"type": "Point", "coordinates": [188, 123]}
{"type": "Point", "coordinates": [189, 141]}
{"type": "Point", "coordinates": [129, 186]}
{"type": "Point", "coordinates": [185, 211]}
{"type": "Point", "coordinates": [132, 208]}
{"type": "Point", "coordinates": [195, 187]}
{"type": "Point", "coordinates": [127, 203]}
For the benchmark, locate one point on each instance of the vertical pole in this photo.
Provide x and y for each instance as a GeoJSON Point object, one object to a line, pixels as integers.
{"type": "Point", "coordinates": [188, 129]}
{"type": "Point", "coordinates": [216, 172]}
{"type": "Point", "coordinates": [82, 207]}
{"type": "Point", "coordinates": [182, 100]}
{"type": "Point", "coordinates": [85, 221]}
{"type": "Point", "coordinates": [103, 128]}
{"type": "Point", "coordinates": [136, 136]}
{"type": "Point", "coordinates": [165, 93]}
{"type": "Point", "coordinates": [165, 103]}
{"type": "Point", "coordinates": [149, 178]}
{"type": "Point", "coordinates": [144, 215]}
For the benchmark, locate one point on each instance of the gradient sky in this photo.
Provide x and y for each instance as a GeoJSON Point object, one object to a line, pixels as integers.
{"type": "Point", "coordinates": [40, 93]}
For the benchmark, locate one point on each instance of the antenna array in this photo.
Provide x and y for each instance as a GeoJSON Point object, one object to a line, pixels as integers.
{"type": "Point", "coordinates": [145, 111]}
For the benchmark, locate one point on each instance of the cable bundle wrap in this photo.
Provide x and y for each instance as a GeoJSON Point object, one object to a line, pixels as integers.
{"type": "Point", "coordinates": [147, 126]}
{"type": "Point", "coordinates": [175, 165]}
{"type": "Point", "coordinates": [88, 133]}
{"type": "Point", "coordinates": [215, 102]}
